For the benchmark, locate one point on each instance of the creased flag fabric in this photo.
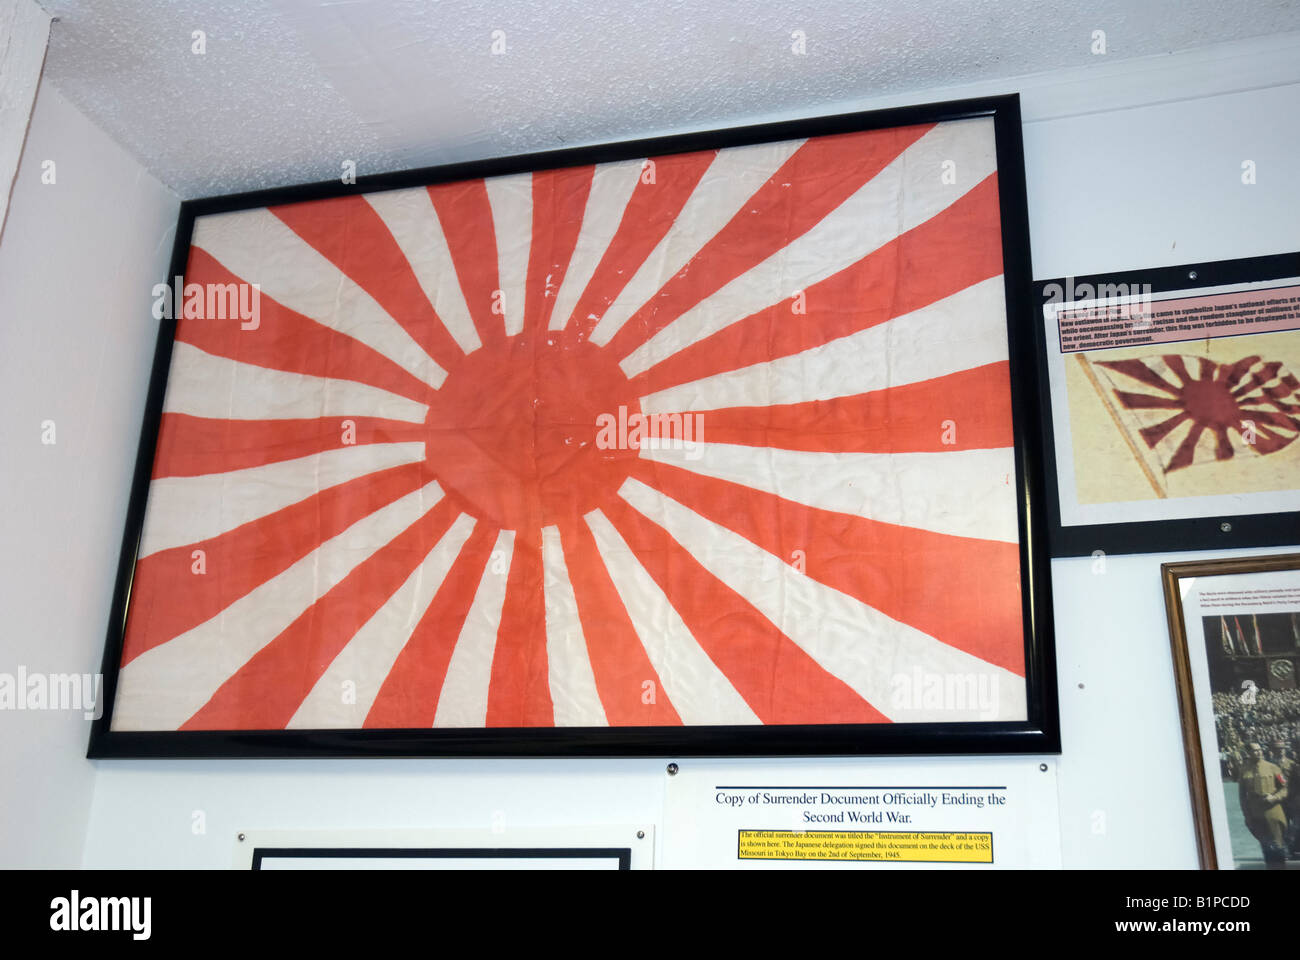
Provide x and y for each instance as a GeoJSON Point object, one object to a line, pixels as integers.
{"type": "Point", "coordinates": [714, 438]}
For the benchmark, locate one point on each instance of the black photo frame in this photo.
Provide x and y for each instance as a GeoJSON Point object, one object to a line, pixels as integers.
{"type": "Point", "coordinates": [1038, 733]}
{"type": "Point", "coordinates": [620, 856]}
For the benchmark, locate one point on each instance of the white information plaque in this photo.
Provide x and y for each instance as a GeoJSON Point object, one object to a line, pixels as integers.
{"type": "Point", "coordinates": [967, 814]}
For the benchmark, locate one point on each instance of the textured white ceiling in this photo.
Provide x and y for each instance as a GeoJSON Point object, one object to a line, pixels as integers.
{"type": "Point", "coordinates": [288, 89]}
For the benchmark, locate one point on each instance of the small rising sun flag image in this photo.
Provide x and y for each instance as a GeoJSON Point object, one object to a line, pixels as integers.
{"type": "Point", "coordinates": [1177, 411]}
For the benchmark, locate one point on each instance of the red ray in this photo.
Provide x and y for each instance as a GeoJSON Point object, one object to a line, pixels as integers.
{"type": "Point", "coordinates": [618, 659]}
{"type": "Point", "coordinates": [948, 253]}
{"type": "Point", "coordinates": [168, 597]}
{"type": "Point", "coordinates": [520, 693]}
{"type": "Point", "coordinates": [1139, 371]}
{"type": "Point", "coordinates": [1138, 401]}
{"type": "Point", "coordinates": [962, 591]}
{"type": "Point", "coordinates": [559, 201]}
{"type": "Point", "coordinates": [194, 446]}
{"type": "Point", "coordinates": [1186, 451]}
{"type": "Point", "coordinates": [465, 215]}
{"type": "Point", "coordinates": [779, 681]}
{"type": "Point", "coordinates": [1175, 363]}
{"type": "Point", "coordinates": [907, 418]}
{"type": "Point", "coordinates": [1277, 393]}
{"type": "Point", "coordinates": [410, 693]}
{"type": "Point", "coordinates": [352, 236]}
{"type": "Point", "coordinates": [265, 692]}
{"type": "Point", "coordinates": [1222, 444]}
{"type": "Point", "coordinates": [1271, 418]}
{"type": "Point", "coordinates": [285, 340]}
{"type": "Point", "coordinates": [817, 178]}
{"type": "Point", "coordinates": [1157, 432]}
{"type": "Point", "coordinates": [1269, 441]}
{"type": "Point", "coordinates": [651, 210]}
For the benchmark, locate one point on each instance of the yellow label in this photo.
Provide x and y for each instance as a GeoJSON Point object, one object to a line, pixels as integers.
{"type": "Point", "coordinates": [885, 845]}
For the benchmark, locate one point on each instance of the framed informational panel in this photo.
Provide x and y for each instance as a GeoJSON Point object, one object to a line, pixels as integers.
{"type": "Point", "coordinates": [722, 443]}
{"type": "Point", "coordinates": [1235, 630]}
{"type": "Point", "coordinates": [1175, 407]}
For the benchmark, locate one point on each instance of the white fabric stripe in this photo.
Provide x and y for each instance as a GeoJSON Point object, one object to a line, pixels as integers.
{"type": "Point", "coordinates": [735, 174]}
{"type": "Point", "coordinates": [965, 330]}
{"type": "Point", "coordinates": [412, 220]}
{"type": "Point", "coordinates": [612, 186]}
{"type": "Point", "coordinates": [511, 200]}
{"type": "Point", "coordinates": [165, 686]}
{"type": "Point", "coordinates": [1207, 445]}
{"type": "Point", "coordinates": [185, 510]}
{"type": "Point", "coordinates": [697, 689]}
{"type": "Point", "coordinates": [364, 664]}
{"type": "Point", "coordinates": [963, 493]}
{"type": "Point", "coordinates": [877, 656]}
{"type": "Point", "coordinates": [258, 247]}
{"type": "Point", "coordinates": [572, 682]}
{"type": "Point", "coordinates": [905, 194]}
{"type": "Point", "coordinates": [202, 384]}
{"type": "Point", "coordinates": [463, 701]}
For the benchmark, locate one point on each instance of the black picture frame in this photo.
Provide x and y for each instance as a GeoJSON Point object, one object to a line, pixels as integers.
{"type": "Point", "coordinates": [1216, 532]}
{"type": "Point", "coordinates": [621, 856]}
{"type": "Point", "coordinates": [1039, 733]}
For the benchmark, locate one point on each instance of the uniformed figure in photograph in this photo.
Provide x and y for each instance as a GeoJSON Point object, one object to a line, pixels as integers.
{"type": "Point", "coordinates": [1254, 664]}
{"type": "Point", "coordinates": [1262, 789]}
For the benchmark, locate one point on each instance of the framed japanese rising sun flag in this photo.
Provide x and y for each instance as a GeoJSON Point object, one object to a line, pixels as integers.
{"type": "Point", "coordinates": [715, 444]}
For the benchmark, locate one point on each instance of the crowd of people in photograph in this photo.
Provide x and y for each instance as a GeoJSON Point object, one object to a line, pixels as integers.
{"type": "Point", "coordinates": [1259, 746]}
{"type": "Point", "coordinates": [1270, 716]}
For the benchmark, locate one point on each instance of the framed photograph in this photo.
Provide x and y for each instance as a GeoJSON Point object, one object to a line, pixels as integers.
{"type": "Point", "coordinates": [1235, 630]}
{"type": "Point", "coordinates": [718, 444]}
{"type": "Point", "coordinates": [1175, 407]}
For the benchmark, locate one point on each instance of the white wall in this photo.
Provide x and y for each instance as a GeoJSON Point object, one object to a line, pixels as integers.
{"type": "Point", "coordinates": [1145, 186]}
{"type": "Point", "coordinates": [25, 28]}
{"type": "Point", "coordinates": [1162, 184]}
{"type": "Point", "coordinates": [1132, 166]}
{"type": "Point", "coordinates": [77, 262]}
{"type": "Point", "coordinates": [1121, 776]}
